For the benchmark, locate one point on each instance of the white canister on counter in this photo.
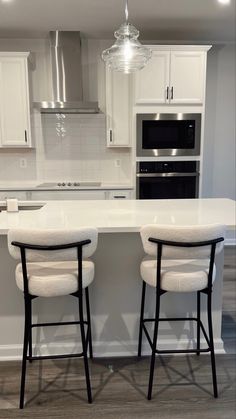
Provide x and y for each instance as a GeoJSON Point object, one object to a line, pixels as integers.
{"type": "Point", "coordinates": [12, 205]}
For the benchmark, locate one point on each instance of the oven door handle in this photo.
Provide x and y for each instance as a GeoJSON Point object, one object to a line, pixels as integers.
{"type": "Point", "coordinates": [174, 174]}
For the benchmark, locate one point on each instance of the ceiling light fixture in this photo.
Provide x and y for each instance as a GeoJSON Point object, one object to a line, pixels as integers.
{"type": "Point", "coordinates": [127, 54]}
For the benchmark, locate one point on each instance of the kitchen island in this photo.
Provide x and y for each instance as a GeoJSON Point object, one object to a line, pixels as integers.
{"type": "Point", "coordinates": [116, 290]}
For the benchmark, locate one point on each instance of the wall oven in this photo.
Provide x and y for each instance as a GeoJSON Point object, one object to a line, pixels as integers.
{"type": "Point", "coordinates": [167, 180]}
{"type": "Point", "coordinates": [171, 134]}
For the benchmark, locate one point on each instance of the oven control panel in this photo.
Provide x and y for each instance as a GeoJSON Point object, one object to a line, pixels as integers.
{"type": "Point", "coordinates": [168, 167]}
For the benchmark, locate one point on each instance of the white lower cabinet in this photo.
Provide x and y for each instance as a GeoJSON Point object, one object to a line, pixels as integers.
{"type": "Point", "coordinates": [77, 195]}
{"type": "Point", "coordinates": [20, 195]}
{"type": "Point", "coordinates": [67, 195]}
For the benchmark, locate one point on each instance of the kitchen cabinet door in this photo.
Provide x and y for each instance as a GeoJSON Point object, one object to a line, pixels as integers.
{"type": "Point", "coordinates": [14, 101]}
{"type": "Point", "coordinates": [174, 75]}
{"type": "Point", "coordinates": [20, 195]}
{"type": "Point", "coordinates": [187, 77]}
{"type": "Point", "coordinates": [152, 82]}
{"type": "Point", "coordinates": [64, 195]}
{"type": "Point", "coordinates": [118, 109]}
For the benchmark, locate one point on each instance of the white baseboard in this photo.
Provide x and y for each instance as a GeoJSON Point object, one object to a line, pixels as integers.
{"type": "Point", "coordinates": [103, 349]}
{"type": "Point", "coordinates": [230, 242]}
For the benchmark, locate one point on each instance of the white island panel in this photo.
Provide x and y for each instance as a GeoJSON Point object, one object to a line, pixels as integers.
{"type": "Point", "coordinates": [116, 290]}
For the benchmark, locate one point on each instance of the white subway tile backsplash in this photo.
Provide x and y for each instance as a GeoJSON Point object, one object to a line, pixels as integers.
{"type": "Point", "coordinates": [10, 169]}
{"type": "Point", "coordinates": [67, 148]}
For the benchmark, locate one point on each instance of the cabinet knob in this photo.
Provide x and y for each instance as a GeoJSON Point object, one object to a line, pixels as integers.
{"type": "Point", "coordinates": [25, 136]}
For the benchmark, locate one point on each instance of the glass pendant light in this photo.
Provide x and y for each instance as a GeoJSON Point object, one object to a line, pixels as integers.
{"type": "Point", "coordinates": [127, 54]}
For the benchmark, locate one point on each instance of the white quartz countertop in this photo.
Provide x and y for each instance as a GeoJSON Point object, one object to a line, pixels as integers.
{"type": "Point", "coordinates": [111, 216]}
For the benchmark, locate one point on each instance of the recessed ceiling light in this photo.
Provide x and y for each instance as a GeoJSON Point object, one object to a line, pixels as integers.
{"type": "Point", "coordinates": [224, 1]}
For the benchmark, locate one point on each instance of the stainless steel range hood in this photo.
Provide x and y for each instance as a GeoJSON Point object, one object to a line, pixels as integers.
{"type": "Point", "coordinates": [66, 69]}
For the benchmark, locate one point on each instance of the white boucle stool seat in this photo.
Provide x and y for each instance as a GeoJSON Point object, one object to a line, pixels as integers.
{"type": "Point", "coordinates": [177, 275]}
{"type": "Point", "coordinates": [53, 279]}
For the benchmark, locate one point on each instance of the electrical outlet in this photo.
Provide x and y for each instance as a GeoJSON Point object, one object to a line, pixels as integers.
{"type": "Point", "coordinates": [117, 163]}
{"type": "Point", "coordinates": [23, 163]}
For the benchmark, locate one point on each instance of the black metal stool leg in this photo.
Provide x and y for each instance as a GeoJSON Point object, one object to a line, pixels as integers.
{"type": "Point", "coordinates": [141, 319]}
{"type": "Point", "coordinates": [30, 329]}
{"type": "Point", "coordinates": [25, 348]}
{"type": "Point", "coordinates": [154, 345]}
{"type": "Point", "coordinates": [198, 321]}
{"type": "Point", "coordinates": [89, 322]}
{"type": "Point", "coordinates": [84, 346]}
{"type": "Point", "coordinates": [213, 363]}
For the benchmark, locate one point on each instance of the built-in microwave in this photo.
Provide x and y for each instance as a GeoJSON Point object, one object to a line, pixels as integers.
{"type": "Point", "coordinates": [168, 134]}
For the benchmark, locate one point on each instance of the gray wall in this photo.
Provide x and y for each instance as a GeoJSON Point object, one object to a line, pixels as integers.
{"type": "Point", "coordinates": [219, 148]}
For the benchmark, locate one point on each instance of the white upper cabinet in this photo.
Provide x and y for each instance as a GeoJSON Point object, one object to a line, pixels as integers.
{"type": "Point", "coordinates": [117, 109]}
{"type": "Point", "coordinates": [14, 100]}
{"type": "Point", "coordinates": [152, 81]}
{"type": "Point", "coordinates": [187, 77]}
{"type": "Point", "coordinates": [174, 75]}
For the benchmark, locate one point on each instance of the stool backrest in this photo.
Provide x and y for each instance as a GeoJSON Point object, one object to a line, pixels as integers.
{"type": "Point", "coordinates": [52, 237]}
{"type": "Point", "coordinates": [183, 234]}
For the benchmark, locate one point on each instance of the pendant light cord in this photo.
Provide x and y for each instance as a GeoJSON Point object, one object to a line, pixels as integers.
{"type": "Point", "coordinates": [126, 11]}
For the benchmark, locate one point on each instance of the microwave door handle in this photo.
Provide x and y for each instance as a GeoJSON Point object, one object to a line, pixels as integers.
{"type": "Point", "coordinates": [174, 174]}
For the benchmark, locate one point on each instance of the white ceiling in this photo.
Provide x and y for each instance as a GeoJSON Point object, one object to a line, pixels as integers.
{"type": "Point", "coordinates": [196, 20]}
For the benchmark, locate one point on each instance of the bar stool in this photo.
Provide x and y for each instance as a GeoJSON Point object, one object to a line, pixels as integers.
{"type": "Point", "coordinates": [181, 259]}
{"type": "Point", "coordinates": [53, 265]}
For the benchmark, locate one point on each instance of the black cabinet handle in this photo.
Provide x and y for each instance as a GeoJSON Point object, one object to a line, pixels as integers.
{"type": "Point", "coordinates": [26, 136]}
{"type": "Point", "coordinates": [110, 135]}
{"type": "Point", "coordinates": [167, 92]}
{"type": "Point", "coordinates": [119, 196]}
{"type": "Point", "coordinates": [172, 92]}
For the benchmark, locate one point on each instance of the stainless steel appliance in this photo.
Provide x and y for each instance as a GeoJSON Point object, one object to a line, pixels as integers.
{"type": "Point", "coordinates": [66, 71]}
{"type": "Point", "coordinates": [172, 134]}
{"type": "Point", "coordinates": [167, 180]}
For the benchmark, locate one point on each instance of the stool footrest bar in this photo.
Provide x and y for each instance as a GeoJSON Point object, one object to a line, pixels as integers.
{"type": "Point", "coordinates": [35, 358]}
{"type": "Point", "coordinates": [57, 324]}
{"type": "Point", "coordinates": [176, 351]}
{"type": "Point", "coordinates": [171, 319]}
{"type": "Point", "coordinates": [182, 351]}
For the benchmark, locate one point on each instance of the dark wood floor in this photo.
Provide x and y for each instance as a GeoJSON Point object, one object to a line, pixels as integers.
{"type": "Point", "coordinates": [229, 301]}
{"type": "Point", "coordinates": [182, 384]}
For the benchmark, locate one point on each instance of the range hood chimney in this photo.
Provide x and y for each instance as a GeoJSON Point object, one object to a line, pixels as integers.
{"type": "Point", "coordinates": [66, 69]}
